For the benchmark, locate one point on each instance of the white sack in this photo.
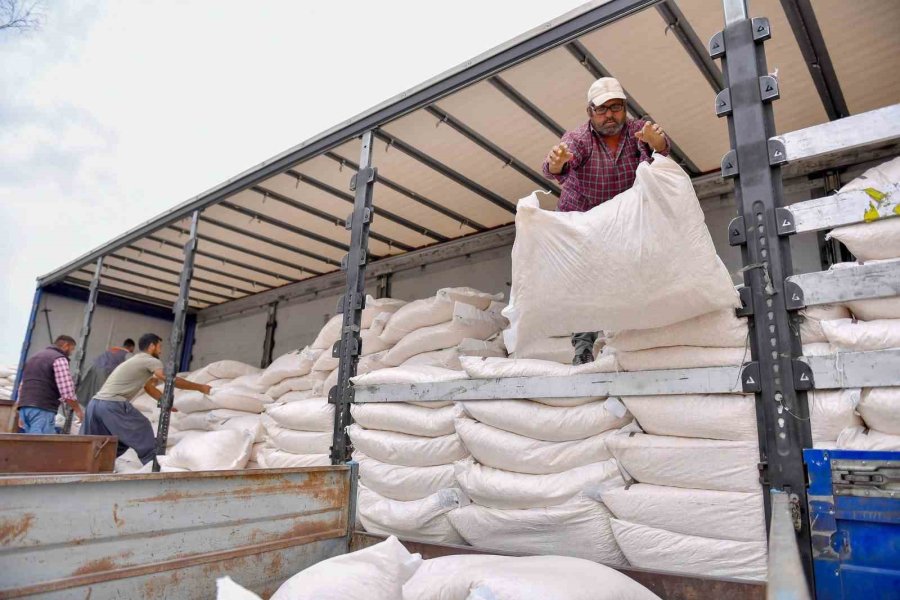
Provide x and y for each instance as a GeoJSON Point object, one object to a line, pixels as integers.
{"type": "Point", "coordinates": [681, 357]}
{"type": "Point", "coordinates": [512, 452]}
{"type": "Point", "coordinates": [374, 573]}
{"type": "Point", "coordinates": [371, 362]}
{"type": "Point", "coordinates": [719, 329]}
{"type": "Point", "coordinates": [405, 418]}
{"type": "Point", "coordinates": [315, 414]}
{"type": "Point", "coordinates": [297, 442]}
{"type": "Point", "coordinates": [481, 577]}
{"type": "Point", "coordinates": [432, 311]}
{"type": "Point", "coordinates": [832, 411]}
{"type": "Point", "coordinates": [579, 528]}
{"type": "Point", "coordinates": [211, 451]}
{"type": "Point", "coordinates": [644, 259]}
{"type": "Point", "coordinates": [270, 457]}
{"type": "Point", "coordinates": [862, 336]}
{"type": "Point", "coordinates": [247, 382]}
{"type": "Point", "coordinates": [239, 399]}
{"type": "Point", "coordinates": [408, 375]}
{"type": "Point", "coordinates": [293, 364]}
{"type": "Point", "coordinates": [326, 362]}
{"type": "Point", "coordinates": [728, 466]}
{"type": "Point", "coordinates": [445, 359]}
{"type": "Point", "coordinates": [407, 450]}
{"type": "Point", "coordinates": [249, 423]}
{"type": "Point", "coordinates": [423, 520]}
{"type": "Point", "coordinates": [811, 326]}
{"type": "Point", "coordinates": [293, 384]}
{"type": "Point", "coordinates": [495, 367]}
{"type": "Point", "coordinates": [403, 483]}
{"type": "Point", "coordinates": [489, 347]}
{"type": "Point", "coordinates": [860, 438]}
{"type": "Point", "coordinates": [329, 383]}
{"type": "Point", "coordinates": [293, 397]}
{"type": "Point", "coordinates": [713, 416]}
{"type": "Point", "coordinates": [329, 334]}
{"type": "Point", "coordinates": [507, 490]}
{"type": "Point", "coordinates": [201, 376]}
{"type": "Point", "coordinates": [190, 401]}
{"type": "Point", "coordinates": [548, 423]}
{"type": "Point", "coordinates": [735, 516]}
{"type": "Point", "coordinates": [658, 549]}
{"type": "Point", "coordinates": [553, 349]}
{"type": "Point", "coordinates": [379, 306]}
{"type": "Point", "coordinates": [467, 322]}
{"type": "Point", "coordinates": [880, 409]}
{"type": "Point", "coordinates": [144, 403]}
{"type": "Point", "coordinates": [227, 589]}
{"type": "Point", "coordinates": [230, 369]}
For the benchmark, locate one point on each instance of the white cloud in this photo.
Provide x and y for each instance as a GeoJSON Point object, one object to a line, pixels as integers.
{"type": "Point", "coordinates": [113, 113]}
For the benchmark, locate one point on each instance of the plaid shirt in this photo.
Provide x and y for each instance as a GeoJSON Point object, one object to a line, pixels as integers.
{"type": "Point", "coordinates": [64, 379]}
{"type": "Point", "coordinates": [593, 176]}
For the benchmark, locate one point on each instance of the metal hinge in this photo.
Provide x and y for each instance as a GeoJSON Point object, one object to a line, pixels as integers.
{"type": "Point", "coordinates": [866, 478]}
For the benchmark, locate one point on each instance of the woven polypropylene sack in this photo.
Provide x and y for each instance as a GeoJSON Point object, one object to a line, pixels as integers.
{"type": "Point", "coordinates": [860, 438]}
{"type": "Point", "coordinates": [403, 483]}
{"type": "Point", "coordinates": [407, 450]}
{"type": "Point", "coordinates": [405, 418]}
{"type": "Point", "coordinates": [863, 336]}
{"type": "Point", "coordinates": [424, 520]}
{"type": "Point", "coordinates": [211, 451]}
{"type": "Point", "coordinates": [880, 409]}
{"type": "Point", "coordinates": [315, 414]}
{"type": "Point", "coordinates": [644, 259]}
{"type": "Point", "coordinates": [719, 329]}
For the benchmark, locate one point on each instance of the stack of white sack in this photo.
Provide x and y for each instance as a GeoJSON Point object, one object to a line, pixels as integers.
{"type": "Point", "coordinates": [406, 453]}
{"type": "Point", "coordinates": [7, 382]}
{"type": "Point", "coordinates": [876, 324]}
{"type": "Point", "coordinates": [537, 467]}
{"type": "Point", "coordinates": [697, 506]}
{"type": "Point", "coordinates": [644, 259]}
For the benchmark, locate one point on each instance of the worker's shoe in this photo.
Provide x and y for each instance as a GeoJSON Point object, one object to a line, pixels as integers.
{"type": "Point", "coordinates": [583, 358]}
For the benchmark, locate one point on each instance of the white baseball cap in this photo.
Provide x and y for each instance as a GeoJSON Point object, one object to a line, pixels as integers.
{"type": "Point", "coordinates": [604, 90]}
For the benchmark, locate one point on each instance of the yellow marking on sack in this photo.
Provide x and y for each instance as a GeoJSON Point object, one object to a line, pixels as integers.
{"type": "Point", "coordinates": [875, 194]}
{"type": "Point", "coordinates": [871, 214]}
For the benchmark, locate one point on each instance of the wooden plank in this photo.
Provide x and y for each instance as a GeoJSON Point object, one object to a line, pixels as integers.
{"type": "Point", "coordinates": [874, 280]}
{"type": "Point", "coordinates": [844, 208]}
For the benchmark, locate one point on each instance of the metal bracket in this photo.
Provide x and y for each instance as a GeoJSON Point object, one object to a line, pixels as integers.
{"type": "Point", "coordinates": [803, 376]}
{"type": "Point", "coordinates": [763, 468]}
{"type": "Point", "coordinates": [334, 395]}
{"type": "Point", "coordinates": [750, 380]}
{"type": "Point", "coordinates": [367, 218]}
{"type": "Point", "coordinates": [795, 511]}
{"type": "Point", "coordinates": [762, 31]}
{"type": "Point", "coordinates": [777, 152]}
{"type": "Point", "coordinates": [365, 175]}
{"type": "Point", "coordinates": [354, 347]}
{"type": "Point", "coordinates": [359, 303]}
{"type": "Point", "coordinates": [737, 233]}
{"type": "Point", "coordinates": [793, 296]}
{"type": "Point", "coordinates": [730, 165]}
{"type": "Point", "coordinates": [723, 103]}
{"type": "Point", "coordinates": [768, 88]}
{"type": "Point", "coordinates": [717, 45]}
{"type": "Point", "coordinates": [784, 221]}
{"type": "Point", "coordinates": [346, 257]}
{"type": "Point", "coordinates": [866, 478]}
{"type": "Point", "coordinates": [746, 309]}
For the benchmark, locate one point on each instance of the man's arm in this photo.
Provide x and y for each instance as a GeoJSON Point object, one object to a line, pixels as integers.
{"type": "Point", "coordinates": [150, 388]}
{"type": "Point", "coordinates": [652, 134]}
{"type": "Point", "coordinates": [183, 384]}
{"type": "Point", "coordinates": [66, 386]}
{"type": "Point", "coordinates": [561, 159]}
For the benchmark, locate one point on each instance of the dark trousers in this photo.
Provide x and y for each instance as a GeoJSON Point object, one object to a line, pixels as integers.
{"type": "Point", "coordinates": [121, 419]}
{"type": "Point", "coordinates": [584, 341]}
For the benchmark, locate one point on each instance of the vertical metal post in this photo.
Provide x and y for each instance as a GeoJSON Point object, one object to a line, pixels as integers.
{"type": "Point", "coordinates": [269, 342]}
{"type": "Point", "coordinates": [26, 343]}
{"type": "Point", "coordinates": [190, 335]}
{"type": "Point", "coordinates": [383, 290]}
{"type": "Point", "coordinates": [775, 376]}
{"type": "Point", "coordinates": [177, 340]}
{"type": "Point", "coordinates": [354, 300]}
{"type": "Point", "coordinates": [81, 349]}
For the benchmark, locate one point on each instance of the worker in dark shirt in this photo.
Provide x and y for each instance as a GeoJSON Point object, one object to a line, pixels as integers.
{"type": "Point", "coordinates": [599, 160]}
{"type": "Point", "coordinates": [46, 382]}
{"type": "Point", "coordinates": [103, 365]}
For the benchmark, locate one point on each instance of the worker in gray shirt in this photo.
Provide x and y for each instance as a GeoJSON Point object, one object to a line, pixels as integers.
{"type": "Point", "coordinates": [111, 413]}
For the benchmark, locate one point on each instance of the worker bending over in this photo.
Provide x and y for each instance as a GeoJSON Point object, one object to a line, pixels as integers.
{"type": "Point", "coordinates": [47, 381]}
{"type": "Point", "coordinates": [103, 366]}
{"type": "Point", "coordinates": [598, 161]}
{"type": "Point", "coordinates": [110, 411]}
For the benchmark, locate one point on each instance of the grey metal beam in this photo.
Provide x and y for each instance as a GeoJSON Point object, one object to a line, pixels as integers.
{"type": "Point", "coordinates": [527, 105]}
{"type": "Point", "coordinates": [119, 269]}
{"type": "Point", "coordinates": [267, 193]}
{"type": "Point", "coordinates": [151, 288]}
{"type": "Point", "coordinates": [267, 240]}
{"type": "Point", "coordinates": [582, 20]}
{"type": "Point", "coordinates": [493, 149]}
{"type": "Point", "coordinates": [269, 341]}
{"type": "Point", "coordinates": [451, 174]}
{"type": "Point", "coordinates": [879, 368]}
{"type": "Point", "coordinates": [83, 337]}
{"type": "Point", "coordinates": [587, 60]}
{"type": "Point", "coordinates": [876, 127]}
{"type": "Point", "coordinates": [204, 280]}
{"type": "Point", "coordinates": [844, 208]}
{"type": "Point", "coordinates": [414, 196]}
{"type": "Point", "coordinates": [871, 280]}
{"type": "Point", "coordinates": [802, 17]}
{"type": "Point", "coordinates": [691, 43]}
{"type": "Point", "coordinates": [119, 292]}
{"type": "Point", "coordinates": [176, 341]}
{"type": "Point", "coordinates": [386, 214]}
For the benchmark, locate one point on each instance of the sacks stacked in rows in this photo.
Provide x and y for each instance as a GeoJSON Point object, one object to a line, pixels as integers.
{"type": "Point", "coordinates": [876, 322]}
{"type": "Point", "coordinates": [536, 472]}
{"type": "Point", "coordinates": [7, 382]}
{"type": "Point", "coordinates": [387, 571]}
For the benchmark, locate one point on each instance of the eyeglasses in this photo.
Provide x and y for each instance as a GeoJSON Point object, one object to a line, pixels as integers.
{"type": "Point", "coordinates": [602, 110]}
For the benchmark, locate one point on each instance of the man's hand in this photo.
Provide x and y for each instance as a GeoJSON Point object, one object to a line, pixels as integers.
{"type": "Point", "coordinates": [76, 408]}
{"type": "Point", "coordinates": [206, 390]}
{"type": "Point", "coordinates": [653, 135]}
{"type": "Point", "coordinates": [558, 157]}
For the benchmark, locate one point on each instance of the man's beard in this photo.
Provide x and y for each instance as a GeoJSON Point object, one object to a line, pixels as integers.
{"type": "Point", "coordinates": [611, 129]}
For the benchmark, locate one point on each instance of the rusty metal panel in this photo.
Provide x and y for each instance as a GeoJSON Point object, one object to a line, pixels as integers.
{"type": "Point", "coordinates": [167, 535]}
{"type": "Point", "coordinates": [668, 586]}
{"type": "Point", "coordinates": [28, 453]}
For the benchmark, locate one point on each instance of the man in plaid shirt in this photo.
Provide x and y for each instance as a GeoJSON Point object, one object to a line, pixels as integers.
{"type": "Point", "coordinates": [46, 381]}
{"type": "Point", "coordinates": [598, 161]}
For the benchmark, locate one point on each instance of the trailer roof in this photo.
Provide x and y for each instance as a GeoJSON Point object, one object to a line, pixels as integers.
{"type": "Point", "coordinates": [455, 153]}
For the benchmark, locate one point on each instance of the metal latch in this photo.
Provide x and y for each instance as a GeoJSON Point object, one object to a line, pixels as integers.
{"type": "Point", "coordinates": [866, 478]}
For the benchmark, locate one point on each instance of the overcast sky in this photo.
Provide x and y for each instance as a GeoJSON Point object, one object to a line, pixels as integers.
{"type": "Point", "coordinates": [113, 112]}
